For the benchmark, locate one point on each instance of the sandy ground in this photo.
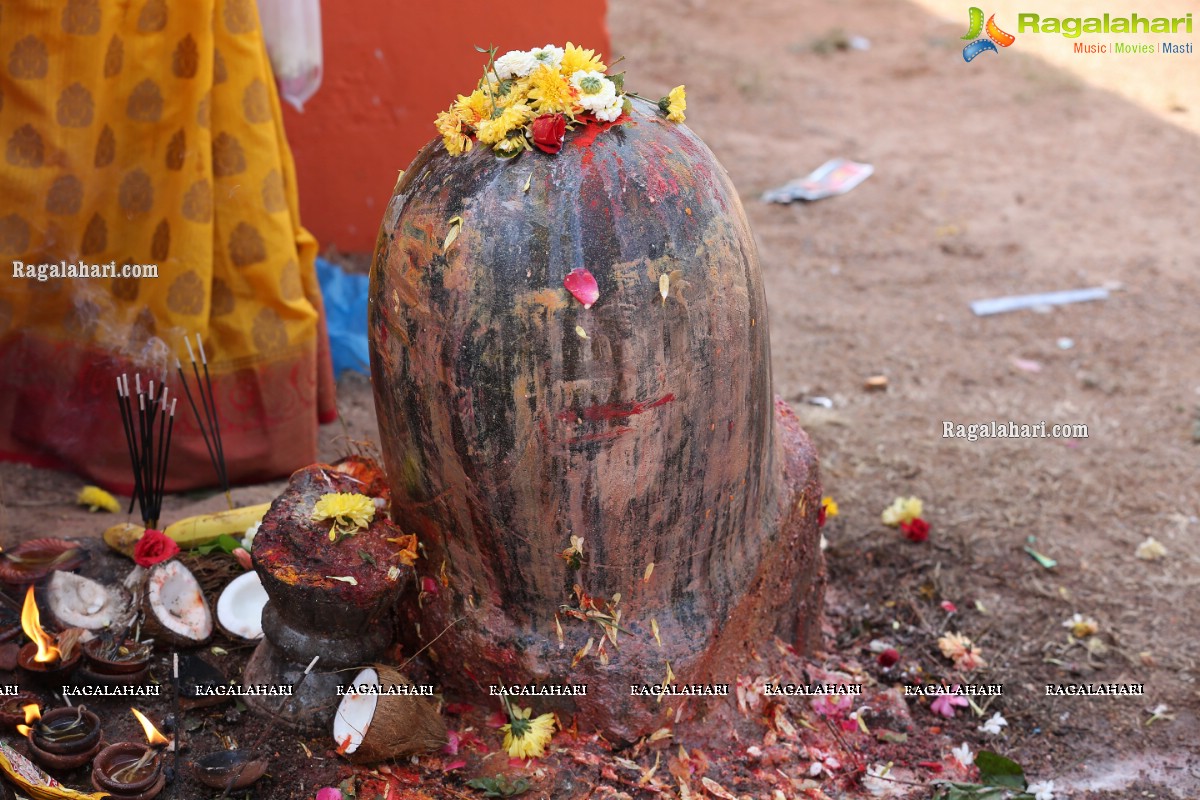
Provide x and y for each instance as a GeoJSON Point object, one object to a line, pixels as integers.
{"type": "Point", "coordinates": [1008, 175]}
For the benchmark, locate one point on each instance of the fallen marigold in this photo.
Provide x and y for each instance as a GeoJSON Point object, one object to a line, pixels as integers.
{"type": "Point", "coordinates": [96, 499]}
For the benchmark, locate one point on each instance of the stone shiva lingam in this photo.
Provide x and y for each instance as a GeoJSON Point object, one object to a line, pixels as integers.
{"type": "Point", "coordinates": [332, 566]}
{"type": "Point", "coordinates": [573, 384]}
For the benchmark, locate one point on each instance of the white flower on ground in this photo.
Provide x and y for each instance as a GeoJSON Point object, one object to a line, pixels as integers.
{"type": "Point", "coordinates": [876, 781]}
{"type": "Point", "coordinates": [963, 755]}
{"type": "Point", "coordinates": [1042, 790]}
{"type": "Point", "coordinates": [516, 64]}
{"type": "Point", "coordinates": [994, 724]}
{"type": "Point", "coordinates": [596, 92]}
{"type": "Point", "coordinates": [549, 55]}
{"type": "Point", "coordinates": [1150, 550]}
{"type": "Point", "coordinates": [1081, 627]}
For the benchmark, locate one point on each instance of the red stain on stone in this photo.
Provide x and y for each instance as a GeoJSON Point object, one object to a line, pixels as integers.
{"type": "Point", "coordinates": [592, 129]}
{"type": "Point", "coordinates": [609, 411]}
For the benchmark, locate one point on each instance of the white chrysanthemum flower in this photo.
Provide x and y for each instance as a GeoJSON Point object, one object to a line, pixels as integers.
{"type": "Point", "coordinates": [994, 724]}
{"type": "Point", "coordinates": [611, 111]}
{"type": "Point", "coordinates": [516, 64]}
{"type": "Point", "coordinates": [549, 55]}
{"type": "Point", "coordinates": [596, 92]}
{"type": "Point", "coordinates": [248, 538]}
{"type": "Point", "coordinates": [1042, 790]}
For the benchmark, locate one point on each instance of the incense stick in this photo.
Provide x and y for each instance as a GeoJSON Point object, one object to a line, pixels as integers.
{"type": "Point", "coordinates": [147, 458]}
{"type": "Point", "coordinates": [209, 424]}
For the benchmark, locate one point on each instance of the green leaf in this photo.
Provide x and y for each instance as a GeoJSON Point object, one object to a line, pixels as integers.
{"type": "Point", "coordinates": [996, 770]}
{"type": "Point", "coordinates": [367, 557]}
{"type": "Point", "coordinates": [499, 786]}
{"type": "Point", "coordinates": [228, 543]}
{"type": "Point", "coordinates": [618, 81]}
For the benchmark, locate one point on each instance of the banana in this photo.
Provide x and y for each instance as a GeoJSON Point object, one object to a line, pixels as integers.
{"type": "Point", "coordinates": [123, 537]}
{"type": "Point", "coordinates": [207, 528]}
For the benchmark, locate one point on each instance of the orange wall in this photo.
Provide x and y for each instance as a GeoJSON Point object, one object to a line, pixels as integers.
{"type": "Point", "coordinates": [389, 68]}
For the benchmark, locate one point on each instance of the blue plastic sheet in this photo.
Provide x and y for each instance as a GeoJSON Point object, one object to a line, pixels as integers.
{"type": "Point", "coordinates": [346, 316]}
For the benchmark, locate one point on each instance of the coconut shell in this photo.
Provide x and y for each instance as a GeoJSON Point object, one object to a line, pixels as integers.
{"type": "Point", "coordinates": [75, 601]}
{"type": "Point", "coordinates": [152, 626]}
{"type": "Point", "coordinates": [403, 725]}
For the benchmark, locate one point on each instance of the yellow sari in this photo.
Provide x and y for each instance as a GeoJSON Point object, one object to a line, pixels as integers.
{"type": "Point", "coordinates": [149, 133]}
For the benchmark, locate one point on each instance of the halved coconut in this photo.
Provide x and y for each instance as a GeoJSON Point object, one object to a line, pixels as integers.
{"type": "Point", "coordinates": [240, 607]}
{"type": "Point", "coordinates": [78, 602]}
{"type": "Point", "coordinates": [174, 606]}
{"type": "Point", "coordinates": [375, 721]}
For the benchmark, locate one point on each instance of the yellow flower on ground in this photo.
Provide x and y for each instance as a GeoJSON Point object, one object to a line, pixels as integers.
{"type": "Point", "coordinates": [408, 548]}
{"type": "Point", "coordinates": [525, 737]}
{"type": "Point", "coordinates": [350, 513]}
{"type": "Point", "coordinates": [549, 92]}
{"type": "Point", "coordinates": [494, 130]}
{"type": "Point", "coordinates": [450, 126]}
{"type": "Point", "coordinates": [830, 505]}
{"type": "Point", "coordinates": [576, 59]}
{"type": "Point", "coordinates": [1081, 627]}
{"type": "Point", "coordinates": [902, 510]}
{"type": "Point", "coordinates": [676, 104]}
{"type": "Point", "coordinates": [96, 499]}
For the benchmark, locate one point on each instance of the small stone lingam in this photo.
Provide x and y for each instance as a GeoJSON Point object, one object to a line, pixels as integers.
{"type": "Point", "coordinates": [332, 588]}
{"type": "Point", "coordinates": [132, 770]}
{"type": "Point", "coordinates": [61, 739]}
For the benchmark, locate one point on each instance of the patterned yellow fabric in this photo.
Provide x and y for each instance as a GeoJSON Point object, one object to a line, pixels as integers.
{"type": "Point", "coordinates": [150, 132]}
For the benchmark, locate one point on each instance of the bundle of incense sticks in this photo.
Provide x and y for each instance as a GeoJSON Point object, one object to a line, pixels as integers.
{"type": "Point", "coordinates": [148, 449]}
{"type": "Point", "coordinates": [209, 423]}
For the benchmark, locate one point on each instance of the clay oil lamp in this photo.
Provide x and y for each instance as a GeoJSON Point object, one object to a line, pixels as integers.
{"type": "Point", "coordinates": [41, 660]}
{"type": "Point", "coordinates": [12, 708]}
{"type": "Point", "coordinates": [62, 739]}
{"type": "Point", "coordinates": [229, 769]}
{"type": "Point", "coordinates": [112, 661]}
{"type": "Point", "coordinates": [132, 770]}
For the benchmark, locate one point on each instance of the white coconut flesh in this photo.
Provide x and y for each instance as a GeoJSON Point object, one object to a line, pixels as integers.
{"type": "Point", "coordinates": [79, 602]}
{"type": "Point", "coordinates": [178, 604]}
{"type": "Point", "coordinates": [240, 606]}
{"type": "Point", "coordinates": [355, 712]}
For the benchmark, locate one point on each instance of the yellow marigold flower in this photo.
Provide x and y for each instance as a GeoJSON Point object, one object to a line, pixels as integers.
{"type": "Point", "coordinates": [549, 92]}
{"type": "Point", "coordinates": [902, 510]}
{"type": "Point", "coordinates": [510, 118]}
{"type": "Point", "coordinates": [576, 59]}
{"type": "Point", "coordinates": [96, 499]}
{"type": "Point", "coordinates": [525, 737]}
{"type": "Point", "coordinates": [350, 513]}
{"type": "Point", "coordinates": [676, 104]}
{"type": "Point", "coordinates": [473, 108]}
{"type": "Point", "coordinates": [408, 548]}
{"type": "Point", "coordinates": [830, 505]}
{"type": "Point", "coordinates": [450, 125]}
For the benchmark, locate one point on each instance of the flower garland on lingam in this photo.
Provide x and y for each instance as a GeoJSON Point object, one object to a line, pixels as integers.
{"type": "Point", "coordinates": [531, 98]}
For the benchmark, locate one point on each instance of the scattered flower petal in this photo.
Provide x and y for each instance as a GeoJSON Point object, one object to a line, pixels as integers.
{"type": "Point", "coordinates": [915, 530]}
{"type": "Point", "coordinates": [944, 704]}
{"type": "Point", "coordinates": [582, 286]}
{"type": "Point", "coordinates": [963, 755]}
{"type": "Point", "coordinates": [1081, 626]}
{"type": "Point", "coordinates": [993, 725]}
{"type": "Point", "coordinates": [96, 499]}
{"type": "Point", "coordinates": [1151, 550]}
{"type": "Point", "coordinates": [1042, 790]}
{"type": "Point", "coordinates": [902, 509]}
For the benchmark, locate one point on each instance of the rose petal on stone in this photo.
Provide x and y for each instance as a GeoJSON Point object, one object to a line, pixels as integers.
{"type": "Point", "coordinates": [582, 286]}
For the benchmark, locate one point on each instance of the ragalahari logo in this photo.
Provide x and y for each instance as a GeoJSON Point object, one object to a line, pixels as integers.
{"type": "Point", "coordinates": [995, 36]}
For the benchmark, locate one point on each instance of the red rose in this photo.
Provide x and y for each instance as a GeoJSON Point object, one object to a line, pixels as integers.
{"type": "Point", "coordinates": [888, 658]}
{"type": "Point", "coordinates": [915, 531]}
{"type": "Point", "coordinates": [548, 132]}
{"type": "Point", "coordinates": [154, 547]}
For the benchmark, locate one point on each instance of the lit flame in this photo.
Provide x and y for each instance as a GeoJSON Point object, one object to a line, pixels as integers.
{"type": "Point", "coordinates": [155, 738]}
{"type": "Point", "coordinates": [32, 714]}
{"type": "Point", "coordinates": [31, 623]}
